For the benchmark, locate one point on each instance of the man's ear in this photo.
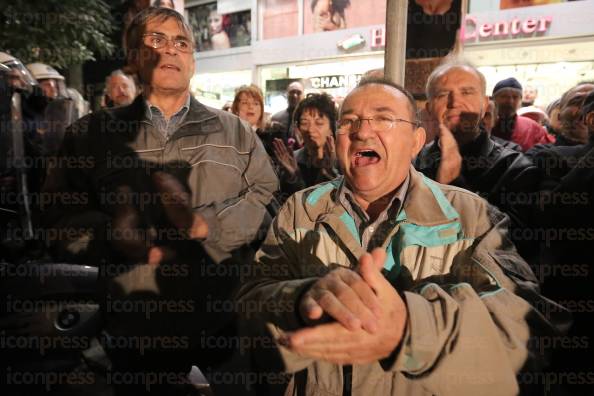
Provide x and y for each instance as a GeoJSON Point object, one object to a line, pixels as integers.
{"type": "Point", "coordinates": [589, 120]}
{"type": "Point", "coordinates": [428, 107]}
{"type": "Point", "coordinates": [484, 107]}
{"type": "Point", "coordinates": [419, 137]}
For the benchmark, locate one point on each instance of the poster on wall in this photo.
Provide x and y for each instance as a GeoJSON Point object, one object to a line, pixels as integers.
{"type": "Point", "coordinates": [177, 5]}
{"type": "Point", "coordinates": [214, 31]}
{"type": "Point", "coordinates": [505, 4]}
{"type": "Point", "coordinates": [432, 28]}
{"type": "Point", "coordinates": [432, 33]}
{"type": "Point", "coordinates": [328, 15]}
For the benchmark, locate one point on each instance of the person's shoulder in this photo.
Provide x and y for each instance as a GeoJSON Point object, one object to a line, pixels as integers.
{"type": "Point", "coordinates": [315, 200]}
{"type": "Point", "coordinates": [528, 124]}
{"type": "Point", "coordinates": [222, 114]}
{"type": "Point", "coordinates": [229, 120]}
{"type": "Point", "coordinates": [459, 194]}
{"type": "Point", "coordinates": [506, 143]}
{"type": "Point", "coordinates": [280, 116]}
{"type": "Point", "coordinates": [537, 149]}
{"type": "Point", "coordinates": [427, 156]}
{"type": "Point", "coordinates": [468, 205]}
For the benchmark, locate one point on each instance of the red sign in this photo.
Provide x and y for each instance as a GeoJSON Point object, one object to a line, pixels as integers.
{"type": "Point", "coordinates": [378, 38]}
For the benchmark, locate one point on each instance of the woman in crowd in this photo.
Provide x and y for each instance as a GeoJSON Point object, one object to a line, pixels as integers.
{"type": "Point", "coordinates": [248, 105]}
{"type": "Point", "coordinates": [315, 162]}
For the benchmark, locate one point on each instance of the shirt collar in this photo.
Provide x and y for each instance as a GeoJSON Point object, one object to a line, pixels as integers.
{"type": "Point", "coordinates": [346, 198]}
{"type": "Point", "coordinates": [152, 109]}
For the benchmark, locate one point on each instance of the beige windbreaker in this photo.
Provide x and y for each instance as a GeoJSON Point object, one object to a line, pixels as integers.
{"type": "Point", "coordinates": [473, 303]}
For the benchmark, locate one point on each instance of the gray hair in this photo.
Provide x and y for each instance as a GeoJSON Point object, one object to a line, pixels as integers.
{"type": "Point", "coordinates": [449, 64]}
{"type": "Point", "coordinates": [137, 27]}
{"type": "Point", "coordinates": [115, 73]}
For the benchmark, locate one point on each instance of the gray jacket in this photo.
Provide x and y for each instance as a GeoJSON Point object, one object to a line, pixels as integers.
{"type": "Point", "coordinates": [221, 160]}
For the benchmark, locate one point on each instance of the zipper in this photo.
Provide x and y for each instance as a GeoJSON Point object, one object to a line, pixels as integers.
{"type": "Point", "coordinates": [347, 380]}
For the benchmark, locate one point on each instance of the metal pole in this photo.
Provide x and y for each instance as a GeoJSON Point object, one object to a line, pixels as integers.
{"type": "Point", "coordinates": [395, 52]}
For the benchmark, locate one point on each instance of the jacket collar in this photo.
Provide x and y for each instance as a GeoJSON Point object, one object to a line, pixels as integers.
{"type": "Point", "coordinates": [421, 205]}
{"type": "Point", "coordinates": [199, 119]}
{"type": "Point", "coordinates": [481, 146]}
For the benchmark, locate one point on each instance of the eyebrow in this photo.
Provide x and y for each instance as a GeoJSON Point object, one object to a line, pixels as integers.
{"type": "Point", "coordinates": [376, 109]}
{"type": "Point", "coordinates": [178, 37]}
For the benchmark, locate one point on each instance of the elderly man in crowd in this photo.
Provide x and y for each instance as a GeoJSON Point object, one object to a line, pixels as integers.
{"type": "Point", "coordinates": [165, 181]}
{"type": "Point", "coordinates": [385, 282]}
{"type": "Point", "coordinates": [507, 94]}
{"type": "Point", "coordinates": [574, 141]}
{"type": "Point", "coordinates": [463, 154]}
{"type": "Point", "coordinates": [120, 89]}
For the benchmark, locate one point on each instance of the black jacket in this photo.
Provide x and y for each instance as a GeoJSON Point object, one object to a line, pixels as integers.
{"type": "Point", "coordinates": [557, 161]}
{"type": "Point", "coordinates": [504, 177]}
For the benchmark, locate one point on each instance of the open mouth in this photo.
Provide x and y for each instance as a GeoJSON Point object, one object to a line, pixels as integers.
{"type": "Point", "coordinates": [365, 158]}
{"type": "Point", "coordinates": [170, 67]}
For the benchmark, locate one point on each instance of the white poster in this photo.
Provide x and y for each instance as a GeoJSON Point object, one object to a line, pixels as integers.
{"type": "Point", "coordinates": [231, 6]}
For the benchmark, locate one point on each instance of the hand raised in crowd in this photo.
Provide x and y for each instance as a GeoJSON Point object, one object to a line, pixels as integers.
{"type": "Point", "coordinates": [129, 236]}
{"type": "Point", "coordinates": [285, 156]}
{"type": "Point", "coordinates": [177, 204]}
{"type": "Point", "coordinates": [450, 165]}
{"type": "Point", "coordinates": [329, 158]}
{"type": "Point", "coordinates": [345, 341]}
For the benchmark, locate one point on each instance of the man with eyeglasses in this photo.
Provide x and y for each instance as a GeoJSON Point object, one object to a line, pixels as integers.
{"type": "Point", "coordinates": [170, 182]}
{"type": "Point", "coordinates": [384, 282]}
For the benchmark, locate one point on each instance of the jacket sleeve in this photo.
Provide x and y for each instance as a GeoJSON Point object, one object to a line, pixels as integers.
{"type": "Point", "coordinates": [70, 215]}
{"type": "Point", "coordinates": [282, 272]}
{"type": "Point", "coordinates": [481, 323]}
{"type": "Point", "coordinates": [243, 219]}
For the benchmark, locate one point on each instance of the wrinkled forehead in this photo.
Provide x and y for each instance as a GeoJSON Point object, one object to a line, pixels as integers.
{"type": "Point", "coordinates": [120, 79]}
{"type": "Point", "coordinates": [376, 97]}
{"type": "Point", "coordinates": [457, 73]}
{"type": "Point", "coordinates": [155, 25]}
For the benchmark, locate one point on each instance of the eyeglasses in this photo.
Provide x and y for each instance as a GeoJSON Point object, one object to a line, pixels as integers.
{"type": "Point", "coordinates": [158, 40]}
{"type": "Point", "coordinates": [380, 123]}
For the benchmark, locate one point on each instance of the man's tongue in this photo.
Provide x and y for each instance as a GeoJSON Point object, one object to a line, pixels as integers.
{"type": "Point", "coordinates": [366, 158]}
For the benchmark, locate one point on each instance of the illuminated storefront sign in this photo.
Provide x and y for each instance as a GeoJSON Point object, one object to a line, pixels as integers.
{"type": "Point", "coordinates": [338, 81]}
{"type": "Point", "coordinates": [472, 30]}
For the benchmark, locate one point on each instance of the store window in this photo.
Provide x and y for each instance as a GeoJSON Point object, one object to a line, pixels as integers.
{"type": "Point", "coordinates": [216, 89]}
{"type": "Point", "coordinates": [337, 78]}
{"type": "Point", "coordinates": [328, 15]}
{"type": "Point", "coordinates": [216, 31]}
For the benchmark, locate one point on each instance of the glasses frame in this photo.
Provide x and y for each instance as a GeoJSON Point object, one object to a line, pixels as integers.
{"type": "Point", "coordinates": [167, 41]}
{"type": "Point", "coordinates": [356, 124]}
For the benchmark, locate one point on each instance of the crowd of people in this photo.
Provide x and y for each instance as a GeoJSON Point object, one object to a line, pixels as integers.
{"type": "Point", "coordinates": [373, 260]}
